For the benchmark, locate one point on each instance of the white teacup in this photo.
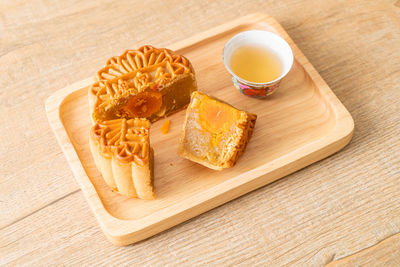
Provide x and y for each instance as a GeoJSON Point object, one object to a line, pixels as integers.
{"type": "Point", "coordinates": [270, 41]}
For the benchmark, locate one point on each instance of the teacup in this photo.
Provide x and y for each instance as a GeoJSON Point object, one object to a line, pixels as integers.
{"type": "Point", "coordinates": [268, 40]}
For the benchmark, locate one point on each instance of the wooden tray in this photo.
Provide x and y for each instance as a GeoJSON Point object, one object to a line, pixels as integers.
{"type": "Point", "coordinates": [301, 123]}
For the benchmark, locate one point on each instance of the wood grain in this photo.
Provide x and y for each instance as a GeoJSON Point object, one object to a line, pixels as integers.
{"type": "Point", "coordinates": [301, 123]}
{"type": "Point", "coordinates": [329, 210]}
{"type": "Point", "coordinates": [374, 255]}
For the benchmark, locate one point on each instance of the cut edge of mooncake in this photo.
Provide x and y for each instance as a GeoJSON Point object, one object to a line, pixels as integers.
{"type": "Point", "coordinates": [145, 83]}
{"type": "Point", "coordinates": [219, 144]}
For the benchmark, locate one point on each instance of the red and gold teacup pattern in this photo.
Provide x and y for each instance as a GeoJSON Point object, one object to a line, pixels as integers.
{"type": "Point", "coordinates": [255, 91]}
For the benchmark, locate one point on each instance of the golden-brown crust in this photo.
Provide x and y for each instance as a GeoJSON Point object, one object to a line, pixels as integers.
{"type": "Point", "coordinates": [145, 56]}
{"type": "Point", "coordinates": [248, 128]}
{"type": "Point", "coordinates": [122, 153]}
{"type": "Point", "coordinates": [125, 140]}
{"type": "Point", "coordinates": [147, 83]}
{"type": "Point", "coordinates": [136, 71]}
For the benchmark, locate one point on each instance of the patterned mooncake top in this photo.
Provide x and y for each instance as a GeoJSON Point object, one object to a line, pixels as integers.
{"type": "Point", "coordinates": [138, 70]}
{"type": "Point", "coordinates": [125, 140]}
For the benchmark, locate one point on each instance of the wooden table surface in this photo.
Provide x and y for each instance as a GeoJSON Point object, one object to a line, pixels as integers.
{"type": "Point", "coordinates": [343, 210]}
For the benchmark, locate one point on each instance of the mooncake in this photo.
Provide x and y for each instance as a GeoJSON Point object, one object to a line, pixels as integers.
{"type": "Point", "coordinates": [145, 83]}
{"type": "Point", "coordinates": [122, 153]}
{"type": "Point", "coordinates": [136, 88]}
{"type": "Point", "coordinates": [214, 133]}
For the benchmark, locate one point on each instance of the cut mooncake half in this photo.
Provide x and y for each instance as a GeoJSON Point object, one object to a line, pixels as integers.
{"type": "Point", "coordinates": [145, 83]}
{"type": "Point", "coordinates": [122, 153]}
{"type": "Point", "coordinates": [214, 134]}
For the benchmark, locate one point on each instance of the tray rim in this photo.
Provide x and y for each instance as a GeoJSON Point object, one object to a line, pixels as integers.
{"type": "Point", "coordinates": [123, 232]}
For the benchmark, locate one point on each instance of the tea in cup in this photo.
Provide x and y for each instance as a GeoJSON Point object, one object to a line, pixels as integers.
{"type": "Point", "coordinates": [257, 61]}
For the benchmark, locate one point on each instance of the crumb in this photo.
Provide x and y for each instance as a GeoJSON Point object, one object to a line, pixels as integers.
{"type": "Point", "coordinates": [165, 127]}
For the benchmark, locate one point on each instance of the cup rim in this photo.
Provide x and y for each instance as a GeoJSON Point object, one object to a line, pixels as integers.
{"type": "Point", "coordinates": [254, 83]}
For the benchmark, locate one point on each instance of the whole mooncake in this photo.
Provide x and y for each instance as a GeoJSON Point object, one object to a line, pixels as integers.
{"type": "Point", "coordinates": [122, 153]}
{"type": "Point", "coordinates": [215, 134]}
{"type": "Point", "coordinates": [145, 83]}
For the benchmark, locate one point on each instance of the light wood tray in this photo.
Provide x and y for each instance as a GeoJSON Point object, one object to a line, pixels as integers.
{"type": "Point", "coordinates": [301, 123]}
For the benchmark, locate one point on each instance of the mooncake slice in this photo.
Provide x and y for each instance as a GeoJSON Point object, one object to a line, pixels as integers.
{"type": "Point", "coordinates": [145, 83]}
{"type": "Point", "coordinates": [214, 134]}
{"type": "Point", "coordinates": [122, 153]}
